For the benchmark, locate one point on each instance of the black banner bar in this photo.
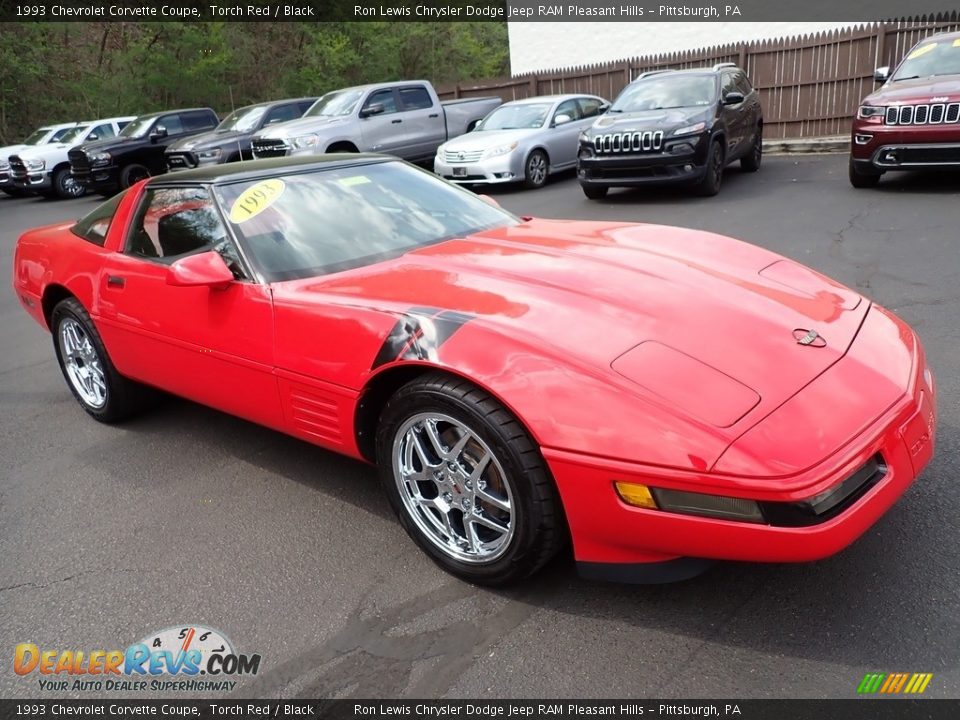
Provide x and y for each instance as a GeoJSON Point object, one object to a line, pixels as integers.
{"type": "Point", "coordinates": [470, 10]}
{"type": "Point", "coordinates": [854, 709]}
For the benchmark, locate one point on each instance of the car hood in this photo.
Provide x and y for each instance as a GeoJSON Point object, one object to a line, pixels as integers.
{"type": "Point", "coordinates": [301, 126]}
{"type": "Point", "coordinates": [920, 90]}
{"type": "Point", "coordinates": [42, 152]}
{"type": "Point", "coordinates": [589, 295]}
{"type": "Point", "coordinates": [650, 119]}
{"type": "Point", "coordinates": [110, 144]}
{"type": "Point", "coordinates": [6, 152]}
{"type": "Point", "coordinates": [486, 139]}
{"type": "Point", "coordinates": [207, 140]}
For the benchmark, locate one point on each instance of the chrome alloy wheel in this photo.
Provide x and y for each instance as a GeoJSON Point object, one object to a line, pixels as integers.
{"type": "Point", "coordinates": [453, 487]}
{"type": "Point", "coordinates": [537, 169]}
{"type": "Point", "coordinates": [82, 363]}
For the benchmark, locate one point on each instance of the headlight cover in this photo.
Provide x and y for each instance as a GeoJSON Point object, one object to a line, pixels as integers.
{"type": "Point", "coordinates": [101, 158]}
{"type": "Point", "coordinates": [304, 142]}
{"type": "Point", "coordinates": [690, 129]}
{"type": "Point", "coordinates": [500, 150]}
{"type": "Point", "coordinates": [869, 112]}
{"type": "Point", "coordinates": [36, 164]}
{"type": "Point", "coordinates": [213, 154]}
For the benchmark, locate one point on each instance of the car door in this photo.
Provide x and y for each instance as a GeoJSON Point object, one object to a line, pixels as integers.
{"type": "Point", "coordinates": [561, 142]}
{"type": "Point", "coordinates": [752, 112]}
{"type": "Point", "coordinates": [733, 115]}
{"type": "Point", "coordinates": [167, 129]}
{"type": "Point", "coordinates": [101, 132]}
{"type": "Point", "coordinates": [424, 128]}
{"type": "Point", "coordinates": [214, 346]}
{"type": "Point", "coordinates": [381, 131]}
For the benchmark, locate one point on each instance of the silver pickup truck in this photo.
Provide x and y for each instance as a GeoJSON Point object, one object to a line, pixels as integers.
{"type": "Point", "coordinates": [405, 119]}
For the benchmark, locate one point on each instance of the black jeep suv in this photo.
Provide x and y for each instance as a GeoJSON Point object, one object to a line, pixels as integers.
{"type": "Point", "coordinates": [137, 152]}
{"type": "Point", "coordinates": [674, 126]}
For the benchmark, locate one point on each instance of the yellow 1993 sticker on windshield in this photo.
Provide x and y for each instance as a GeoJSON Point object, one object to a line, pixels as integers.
{"type": "Point", "coordinates": [255, 199]}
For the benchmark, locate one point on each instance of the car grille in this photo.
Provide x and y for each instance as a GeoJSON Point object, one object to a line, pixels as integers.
{"type": "Point", "coordinates": [79, 162]}
{"type": "Point", "coordinates": [18, 168]}
{"type": "Point", "coordinates": [935, 114]}
{"type": "Point", "coordinates": [628, 142]}
{"type": "Point", "coordinates": [266, 147]}
{"type": "Point", "coordinates": [181, 160]}
{"type": "Point", "coordinates": [454, 156]}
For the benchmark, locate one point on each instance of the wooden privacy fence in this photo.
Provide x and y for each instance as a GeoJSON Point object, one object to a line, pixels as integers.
{"type": "Point", "coordinates": [809, 85]}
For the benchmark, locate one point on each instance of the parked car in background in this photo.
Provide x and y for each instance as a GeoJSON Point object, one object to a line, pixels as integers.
{"type": "Point", "coordinates": [521, 141]}
{"type": "Point", "coordinates": [138, 151]}
{"type": "Point", "coordinates": [405, 118]}
{"type": "Point", "coordinates": [40, 136]}
{"type": "Point", "coordinates": [674, 126]}
{"type": "Point", "coordinates": [230, 140]}
{"type": "Point", "coordinates": [45, 169]}
{"type": "Point", "coordinates": [912, 122]}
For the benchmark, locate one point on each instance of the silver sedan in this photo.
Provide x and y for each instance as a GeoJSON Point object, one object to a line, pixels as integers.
{"type": "Point", "coordinates": [521, 141]}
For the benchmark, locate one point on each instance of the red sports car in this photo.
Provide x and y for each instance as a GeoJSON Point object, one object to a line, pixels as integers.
{"type": "Point", "coordinates": [660, 397]}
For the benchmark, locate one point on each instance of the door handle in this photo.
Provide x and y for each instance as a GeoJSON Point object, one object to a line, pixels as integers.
{"type": "Point", "coordinates": [116, 281]}
{"type": "Point", "coordinates": [434, 115]}
{"type": "Point", "coordinates": [394, 122]}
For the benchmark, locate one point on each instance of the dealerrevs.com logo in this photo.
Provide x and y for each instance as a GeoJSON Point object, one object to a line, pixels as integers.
{"type": "Point", "coordinates": [189, 658]}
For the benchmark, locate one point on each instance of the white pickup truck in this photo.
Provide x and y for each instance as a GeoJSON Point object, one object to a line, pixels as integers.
{"type": "Point", "coordinates": [40, 136]}
{"type": "Point", "coordinates": [404, 118]}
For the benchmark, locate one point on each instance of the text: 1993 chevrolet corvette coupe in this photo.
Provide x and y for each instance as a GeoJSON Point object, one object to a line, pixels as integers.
{"type": "Point", "coordinates": [660, 397]}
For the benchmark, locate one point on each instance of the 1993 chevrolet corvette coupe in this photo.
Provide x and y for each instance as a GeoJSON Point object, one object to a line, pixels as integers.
{"type": "Point", "coordinates": [659, 397]}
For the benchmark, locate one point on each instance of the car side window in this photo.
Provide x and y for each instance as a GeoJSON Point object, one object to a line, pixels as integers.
{"type": "Point", "coordinates": [382, 97]}
{"type": "Point", "coordinates": [590, 107]}
{"type": "Point", "coordinates": [174, 222]}
{"type": "Point", "coordinates": [742, 83]}
{"type": "Point", "coordinates": [103, 131]}
{"type": "Point", "coordinates": [171, 123]}
{"type": "Point", "coordinates": [197, 121]}
{"type": "Point", "coordinates": [95, 225]}
{"type": "Point", "coordinates": [304, 106]}
{"type": "Point", "coordinates": [415, 98]}
{"type": "Point", "coordinates": [728, 84]}
{"type": "Point", "coordinates": [282, 113]}
{"type": "Point", "coordinates": [568, 107]}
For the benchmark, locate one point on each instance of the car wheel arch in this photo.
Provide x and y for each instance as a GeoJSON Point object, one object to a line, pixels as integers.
{"type": "Point", "coordinates": [387, 380]}
{"type": "Point", "coordinates": [54, 294]}
{"type": "Point", "coordinates": [342, 146]}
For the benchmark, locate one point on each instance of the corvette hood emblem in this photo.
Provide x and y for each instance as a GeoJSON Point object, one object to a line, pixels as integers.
{"type": "Point", "coordinates": [809, 338]}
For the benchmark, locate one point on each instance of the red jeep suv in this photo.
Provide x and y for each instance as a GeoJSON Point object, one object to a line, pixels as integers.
{"type": "Point", "coordinates": [912, 122]}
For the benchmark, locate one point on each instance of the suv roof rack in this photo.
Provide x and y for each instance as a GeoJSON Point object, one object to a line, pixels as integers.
{"type": "Point", "coordinates": [648, 73]}
{"type": "Point", "coordinates": [720, 66]}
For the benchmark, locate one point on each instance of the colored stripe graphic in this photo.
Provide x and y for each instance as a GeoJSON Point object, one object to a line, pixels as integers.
{"type": "Point", "coordinates": [894, 683]}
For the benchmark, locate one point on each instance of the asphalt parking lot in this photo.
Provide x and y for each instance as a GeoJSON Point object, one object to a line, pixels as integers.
{"type": "Point", "coordinates": [186, 515]}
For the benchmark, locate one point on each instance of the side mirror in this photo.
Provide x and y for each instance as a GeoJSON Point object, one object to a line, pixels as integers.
{"type": "Point", "coordinates": [734, 97]}
{"type": "Point", "coordinates": [92, 136]}
{"type": "Point", "coordinates": [158, 132]}
{"type": "Point", "coordinates": [603, 108]}
{"type": "Point", "coordinates": [375, 109]}
{"type": "Point", "coordinates": [881, 74]}
{"type": "Point", "coordinates": [489, 200]}
{"type": "Point", "coordinates": [203, 269]}
{"type": "Point", "coordinates": [561, 119]}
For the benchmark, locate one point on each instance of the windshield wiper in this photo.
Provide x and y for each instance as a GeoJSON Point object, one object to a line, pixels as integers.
{"type": "Point", "coordinates": [911, 77]}
{"type": "Point", "coordinates": [614, 110]}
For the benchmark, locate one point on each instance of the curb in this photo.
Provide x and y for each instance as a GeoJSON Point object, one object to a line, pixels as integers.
{"type": "Point", "coordinates": [830, 144]}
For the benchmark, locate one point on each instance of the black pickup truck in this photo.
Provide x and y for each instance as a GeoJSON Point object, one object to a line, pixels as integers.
{"type": "Point", "coordinates": [137, 152]}
{"type": "Point", "coordinates": [230, 141]}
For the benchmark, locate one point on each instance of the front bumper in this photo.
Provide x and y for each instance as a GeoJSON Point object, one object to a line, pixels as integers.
{"type": "Point", "coordinates": [489, 171]}
{"type": "Point", "coordinates": [613, 539]}
{"type": "Point", "coordinates": [5, 180]}
{"type": "Point", "coordinates": [682, 161]}
{"type": "Point", "coordinates": [878, 147]}
{"type": "Point", "coordinates": [184, 160]}
{"type": "Point", "coordinates": [97, 178]}
{"type": "Point", "coordinates": [34, 180]}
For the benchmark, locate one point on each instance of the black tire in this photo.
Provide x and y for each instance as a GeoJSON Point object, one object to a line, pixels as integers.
{"type": "Point", "coordinates": [862, 179]}
{"type": "Point", "coordinates": [536, 169]}
{"type": "Point", "coordinates": [751, 161]}
{"type": "Point", "coordinates": [133, 173]}
{"type": "Point", "coordinates": [123, 397]}
{"type": "Point", "coordinates": [536, 519]}
{"type": "Point", "coordinates": [595, 192]}
{"type": "Point", "coordinates": [65, 186]}
{"type": "Point", "coordinates": [710, 184]}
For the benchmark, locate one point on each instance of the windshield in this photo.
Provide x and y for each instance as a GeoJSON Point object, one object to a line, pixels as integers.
{"type": "Point", "coordinates": [138, 128]}
{"type": "Point", "coordinates": [74, 134]}
{"type": "Point", "coordinates": [931, 58]}
{"type": "Point", "coordinates": [335, 104]}
{"type": "Point", "coordinates": [660, 93]}
{"type": "Point", "coordinates": [315, 223]}
{"type": "Point", "coordinates": [515, 117]}
{"type": "Point", "coordinates": [242, 120]}
{"type": "Point", "coordinates": [36, 137]}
